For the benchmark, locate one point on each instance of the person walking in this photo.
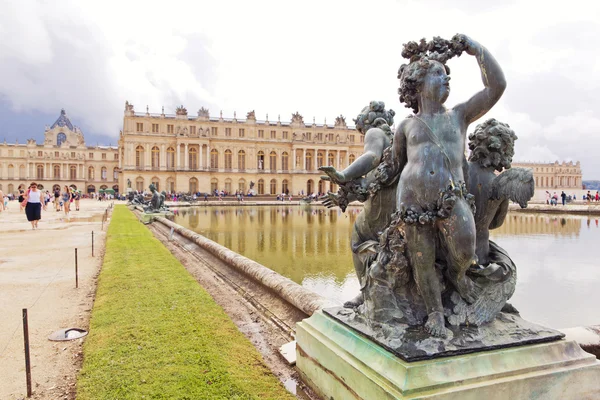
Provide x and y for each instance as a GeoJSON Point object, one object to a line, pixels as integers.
{"type": "Point", "coordinates": [66, 199]}
{"type": "Point", "coordinates": [563, 196]}
{"type": "Point", "coordinates": [588, 197]}
{"type": "Point", "coordinates": [77, 197]}
{"type": "Point", "coordinates": [33, 205]}
{"type": "Point", "coordinates": [21, 199]}
{"type": "Point", "coordinates": [57, 199]}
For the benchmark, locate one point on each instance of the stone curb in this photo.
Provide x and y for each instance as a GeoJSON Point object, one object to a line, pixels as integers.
{"type": "Point", "coordinates": [305, 300]}
{"type": "Point", "coordinates": [588, 337]}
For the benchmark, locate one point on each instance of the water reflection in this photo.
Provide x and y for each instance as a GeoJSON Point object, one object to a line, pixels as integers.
{"type": "Point", "coordinates": [558, 277]}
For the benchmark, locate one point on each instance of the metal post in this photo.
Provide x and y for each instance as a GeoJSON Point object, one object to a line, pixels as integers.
{"type": "Point", "coordinates": [92, 243]}
{"type": "Point", "coordinates": [76, 274]}
{"type": "Point", "coordinates": [27, 361]}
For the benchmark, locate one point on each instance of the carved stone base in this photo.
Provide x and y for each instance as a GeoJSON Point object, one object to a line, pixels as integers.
{"type": "Point", "coordinates": [339, 363]}
{"type": "Point", "coordinates": [413, 343]}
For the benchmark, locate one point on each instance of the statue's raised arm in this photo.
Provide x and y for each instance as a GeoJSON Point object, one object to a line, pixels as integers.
{"type": "Point", "coordinates": [493, 81]}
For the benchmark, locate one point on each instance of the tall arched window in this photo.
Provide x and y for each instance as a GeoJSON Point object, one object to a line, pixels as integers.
{"type": "Point", "coordinates": [309, 158]}
{"type": "Point", "coordinates": [261, 186]}
{"type": "Point", "coordinates": [330, 159]}
{"type": "Point", "coordinates": [170, 157]}
{"type": "Point", "coordinates": [228, 185]}
{"type": "Point", "coordinates": [40, 171]}
{"type": "Point", "coordinates": [242, 185]}
{"type": "Point", "coordinates": [155, 157]}
{"type": "Point", "coordinates": [115, 174]}
{"type": "Point", "coordinates": [193, 158]}
{"type": "Point", "coordinates": [103, 172]}
{"type": "Point", "coordinates": [273, 186]}
{"type": "Point", "coordinates": [351, 158]}
{"type": "Point", "coordinates": [170, 185]}
{"type": "Point", "coordinates": [11, 171]}
{"type": "Point", "coordinates": [90, 173]}
{"type": "Point", "coordinates": [139, 184]}
{"type": "Point", "coordinates": [273, 161]}
{"type": "Point", "coordinates": [193, 185]}
{"type": "Point", "coordinates": [214, 158]}
{"type": "Point", "coordinates": [309, 187]}
{"type": "Point", "coordinates": [228, 160]}
{"type": "Point", "coordinates": [22, 171]}
{"type": "Point", "coordinates": [285, 161]}
{"type": "Point", "coordinates": [214, 185]}
{"type": "Point", "coordinates": [139, 156]}
{"type": "Point", "coordinates": [55, 170]}
{"type": "Point", "coordinates": [73, 172]}
{"type": "Point", "coordinates": [319, 160]}
{"type": "Point", "coordinates": [260, 160]}
{"type": "Point", "coordinates": [60, 138]}
{"type": "Point", "coordinates": [284, 186]}
{"type": "Point", "coordinates": [241, 160]}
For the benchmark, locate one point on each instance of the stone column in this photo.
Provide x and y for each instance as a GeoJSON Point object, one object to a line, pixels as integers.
{"type": "Point", "coordinates": [208, 155]}
{"type": "Point", "coordinates": [337, 164]}
{"type": "Point", "coordinates": [186, 158]}
{"type": "Point", "coordinates": [163, 157]}
{"type": "Point", "coordinates": [314, 160]}
{"type": "Point", "coordinates": [178, 155]}
{"type": "Point", "coordinates": [347, 161]}
{"type": "Point", "coordinates": [200, 156]}
{"type": "Point", "coordinates": [147, 155]}
{"type": "Point", "coordinates": [303, 159]}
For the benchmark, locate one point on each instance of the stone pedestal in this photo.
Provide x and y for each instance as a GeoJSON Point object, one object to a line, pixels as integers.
{"type": "Point", "coordinates": [339, 363]}
{"type": "Point", "coordinates": [147, 218]}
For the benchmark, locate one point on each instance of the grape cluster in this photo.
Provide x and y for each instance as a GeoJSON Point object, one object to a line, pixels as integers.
{"type": "Point", "coordinates": [437, 49]}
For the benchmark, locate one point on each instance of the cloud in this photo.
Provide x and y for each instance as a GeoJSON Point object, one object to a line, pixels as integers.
{"type": "Point", "coordinates": [321, 59]}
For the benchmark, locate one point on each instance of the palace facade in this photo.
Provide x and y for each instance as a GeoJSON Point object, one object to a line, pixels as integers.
{"type": "Point", "coordinates": [63, 159]}
{"type": "Point", "coordinates": [565, 175]}
{"type": "Point", "coordinates": [182, 153]}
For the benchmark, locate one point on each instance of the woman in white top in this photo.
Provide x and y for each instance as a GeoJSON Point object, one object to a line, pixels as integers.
{"type": "Point", "coordinates": [33, 209]}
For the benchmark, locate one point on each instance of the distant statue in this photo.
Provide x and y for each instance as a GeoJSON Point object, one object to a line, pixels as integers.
{"type": "Point", "coordinates": [157, 202]}
{"type": "Point", "coordinates": [181, 110]}
{"type": "Point", "coordinates": [129, 183]}
{"type": "Point", "coordinates": [251, 115]}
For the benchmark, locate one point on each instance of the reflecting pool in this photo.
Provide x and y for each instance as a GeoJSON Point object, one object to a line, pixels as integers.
{"type": "Point", "coordinates": [558, 274]}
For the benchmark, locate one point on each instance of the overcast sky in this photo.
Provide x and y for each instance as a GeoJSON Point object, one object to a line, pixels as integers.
{"type": "Point", "coordinates": [321, 58]}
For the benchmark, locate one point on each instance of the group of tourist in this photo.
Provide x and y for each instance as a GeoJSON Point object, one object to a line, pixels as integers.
{"type": "Point", "coordinates": [552, 199]}
{"type": "Point", "coordinates": [34, 200]}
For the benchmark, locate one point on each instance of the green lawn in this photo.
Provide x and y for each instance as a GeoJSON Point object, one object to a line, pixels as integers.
{"type": "Point", "coordinates": [156, 334]}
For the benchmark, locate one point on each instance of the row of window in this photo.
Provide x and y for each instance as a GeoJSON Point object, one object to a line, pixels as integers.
{"type": "Point", "coordinates": [104, 156]}
{"type": "Point", "coordinates": [228, 158]}
{"type": "Point", "coordinates": [56, 169]}
{"type": "Point", "coordinates": [562, 181]}
{"type": "Point", "coordinates": [241, 132]}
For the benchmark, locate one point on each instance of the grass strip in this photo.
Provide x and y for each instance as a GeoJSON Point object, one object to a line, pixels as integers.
{"type": "Point", "coordinates": [156, 334]}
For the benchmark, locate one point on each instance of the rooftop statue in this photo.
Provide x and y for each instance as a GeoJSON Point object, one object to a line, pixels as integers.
{"type": "Point", "coordinates": [421, 246]}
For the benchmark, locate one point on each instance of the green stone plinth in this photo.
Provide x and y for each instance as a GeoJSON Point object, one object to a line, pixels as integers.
{"type": "Point", "coordinates": [339, 364]}
{"type": "Point", "coordinates": [147, 218]}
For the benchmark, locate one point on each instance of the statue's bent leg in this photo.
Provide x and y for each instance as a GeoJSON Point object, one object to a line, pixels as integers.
{"type": "Point", "coordinates": [360, 266]}
{"type": "Point", "coordinates": [420, 246]}
{"type": "Point", "coordinates": [458, 233]}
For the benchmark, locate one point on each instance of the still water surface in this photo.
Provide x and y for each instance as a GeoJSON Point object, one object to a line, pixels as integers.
{"type": "Point", "coordinates": [556, 255]}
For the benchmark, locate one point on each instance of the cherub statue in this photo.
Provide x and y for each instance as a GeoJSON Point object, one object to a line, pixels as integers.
{"type": "Point", "coordinates": [492, 149]}
{"type": "Point", "coordinates": [374, 122]}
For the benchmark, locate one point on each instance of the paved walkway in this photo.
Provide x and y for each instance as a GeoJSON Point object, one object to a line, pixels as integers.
{"type": "Point", "coordinates": [37, 272]}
